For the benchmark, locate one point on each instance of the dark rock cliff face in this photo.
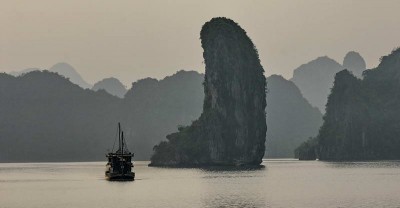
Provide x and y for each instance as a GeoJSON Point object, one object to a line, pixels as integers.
{"type": "Point", "coordinates": [231, 130]}
{"type": "Point", "coordinates": [362, 120]}
{"type": "Point", "coordinates": [346, 116]}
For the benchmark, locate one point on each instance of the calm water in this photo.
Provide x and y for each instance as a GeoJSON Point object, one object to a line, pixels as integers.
{"type": "Point", "coordinates": [282, 183]}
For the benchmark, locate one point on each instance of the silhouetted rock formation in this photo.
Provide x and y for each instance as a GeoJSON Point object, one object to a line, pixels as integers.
{"type": "Point", "coordinates": [354, 63]}
{"type": "Point", "coordinates": [69, 72]}
{"type": "Point", "coordinates": [291, 119]}
{"type": "Point", "coordinates": [112, 86]}
{"type": "Point", "coordinates": [231, 130]}
{"type": "Point", "coordinates": [362, 118]}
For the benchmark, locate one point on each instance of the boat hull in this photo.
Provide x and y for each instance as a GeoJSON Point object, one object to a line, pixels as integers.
{"type": "Point", "coordinates": [120, 177]}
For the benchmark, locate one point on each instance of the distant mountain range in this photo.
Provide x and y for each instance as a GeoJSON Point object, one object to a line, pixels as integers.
{"type": "Point", "coordinates": [315, 78]}
{"type": "Point", "coordinates": [149, 110]}
{"type": "Point", "coordinates": [63, 69]}
{"type": "Point", "coordinates": [45, 117]}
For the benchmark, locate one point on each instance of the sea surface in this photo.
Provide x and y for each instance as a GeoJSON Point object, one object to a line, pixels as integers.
{"type": "Point", "coordinates": [281, 183]}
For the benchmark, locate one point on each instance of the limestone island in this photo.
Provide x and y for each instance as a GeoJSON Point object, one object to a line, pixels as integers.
{"type": "Point", "coordinates": [232, 127]}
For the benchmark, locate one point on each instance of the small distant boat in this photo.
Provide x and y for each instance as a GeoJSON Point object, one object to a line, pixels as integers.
{"type": "Point", "coordinates": [119, 166]}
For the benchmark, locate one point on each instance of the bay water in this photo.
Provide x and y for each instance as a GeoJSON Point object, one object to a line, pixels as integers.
{"type": "Point", "coordinates": [280, 183]}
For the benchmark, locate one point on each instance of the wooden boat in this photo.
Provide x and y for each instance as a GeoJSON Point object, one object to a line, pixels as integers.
{"type": "Point", "coordinates": [119, 165]}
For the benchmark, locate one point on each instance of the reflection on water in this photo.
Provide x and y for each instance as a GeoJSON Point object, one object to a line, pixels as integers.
{"type": "Point", "coordinates": [235, 168]}
{"type": "Point", "coordinates": [365, 164]}
{"type": "Point", "coordinates": [228, 200]}
{"type": "Point", "coordinates": [281, 183]}
{"type": "Point", "coordinates": [223, 187]}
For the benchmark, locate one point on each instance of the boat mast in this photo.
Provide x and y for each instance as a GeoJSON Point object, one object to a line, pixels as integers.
{"type": "Point", "coordinates": [119, 136]}
{"type": "Point", "coordinates": [122, 142]}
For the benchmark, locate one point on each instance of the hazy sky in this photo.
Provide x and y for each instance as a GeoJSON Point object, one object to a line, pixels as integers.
{"type": "Point", "coordinates": [135, 39]}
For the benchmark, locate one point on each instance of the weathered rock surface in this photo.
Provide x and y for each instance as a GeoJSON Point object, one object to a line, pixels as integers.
{"type": "Point", "coordinates": [231, 129]}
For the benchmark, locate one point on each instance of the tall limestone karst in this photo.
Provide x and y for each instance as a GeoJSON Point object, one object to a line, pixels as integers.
{"type": "Point", "coordinates": [363, 117]}
{"type": "Point", "coordinates": [346, 116]}
{"type": "Point", "coordinates": [231, 129]}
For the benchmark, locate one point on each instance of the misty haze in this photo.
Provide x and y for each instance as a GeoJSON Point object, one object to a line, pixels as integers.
{"type": "Point", "coordinates": [200, 104]}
